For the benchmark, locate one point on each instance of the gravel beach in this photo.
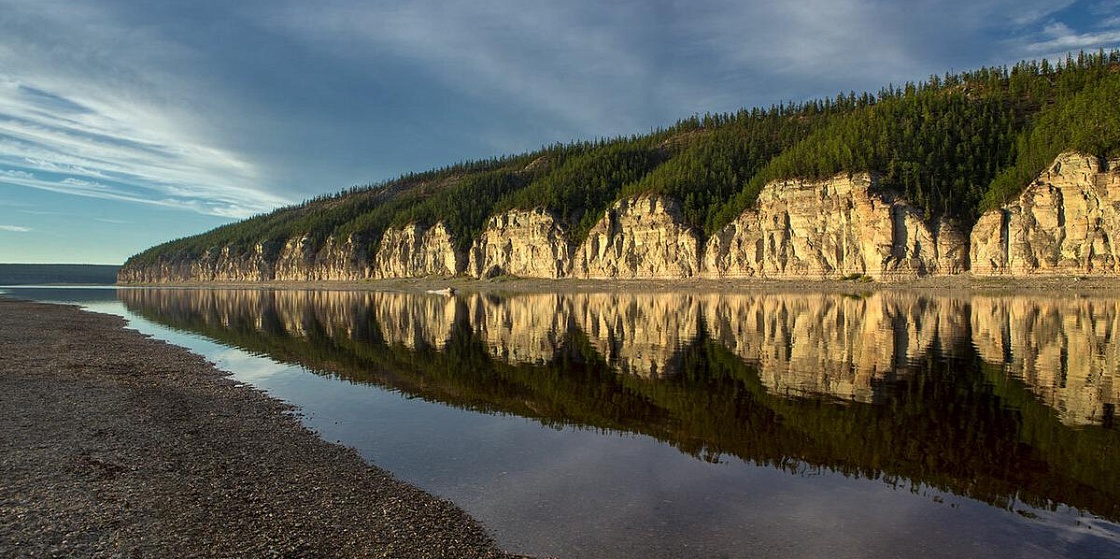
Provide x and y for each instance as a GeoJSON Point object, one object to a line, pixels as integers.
{"type": "Point", "coordinates": [113, 444]}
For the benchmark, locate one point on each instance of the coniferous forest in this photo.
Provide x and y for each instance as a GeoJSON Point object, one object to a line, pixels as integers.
{"type": "Point", "coordinates": [953, 145]}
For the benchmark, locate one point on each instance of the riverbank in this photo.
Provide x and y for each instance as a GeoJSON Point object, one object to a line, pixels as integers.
{"type": "Point", "coordinates": [1085, 285]}
{"type": "Point", "coordinates": [113, 444]}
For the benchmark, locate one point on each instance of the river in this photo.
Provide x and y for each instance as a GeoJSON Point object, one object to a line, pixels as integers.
{"type": "Point", "coordinates": [698, 424]}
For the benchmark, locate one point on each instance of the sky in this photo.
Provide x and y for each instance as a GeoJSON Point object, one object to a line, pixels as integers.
{"type": "Point", "coordinates": [128, 123]}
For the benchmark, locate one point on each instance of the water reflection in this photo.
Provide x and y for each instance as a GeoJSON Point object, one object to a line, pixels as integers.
{"type": "Point", "coordinates": [994, 398]}
{"type": "Point", "coordinates": [1064, 349]}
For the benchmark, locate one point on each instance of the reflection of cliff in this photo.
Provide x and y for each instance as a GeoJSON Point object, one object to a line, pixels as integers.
{"type": "Point", "coordinates": [638, 334]}
{"type": "Point", "coordinates": [804, 344]}
{"type": "Point", "coordinates": [1065, 349]}
{"type": "Point", "coordinates": [725, 366]}
{"type": "Point", "coordinates": [825, 343]}
{"type": "Point", "coordinates": [529, 331]}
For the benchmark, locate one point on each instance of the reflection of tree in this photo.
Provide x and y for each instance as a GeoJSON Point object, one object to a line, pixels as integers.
{"type": "Point", "coordinates": [942, 415]}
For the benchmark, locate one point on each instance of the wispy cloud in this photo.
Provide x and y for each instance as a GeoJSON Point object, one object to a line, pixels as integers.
{"type": "Point", "coordinates": [160, 105]}
{"type": "Point", "coordinates": [1058, 38]}
{"type": "Point", "coordinates": [102, 109]}
{"type": "Point", "coordinates": [15, 229]}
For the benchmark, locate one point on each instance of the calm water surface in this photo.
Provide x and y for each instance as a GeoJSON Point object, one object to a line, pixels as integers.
{"type": "Point", "coordinates": [700, 425]}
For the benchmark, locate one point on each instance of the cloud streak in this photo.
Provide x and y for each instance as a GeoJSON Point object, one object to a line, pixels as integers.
{"type": "Point", "coordinates": [102, 122]}
{"type": "Point", "coordinates": [15, 229]}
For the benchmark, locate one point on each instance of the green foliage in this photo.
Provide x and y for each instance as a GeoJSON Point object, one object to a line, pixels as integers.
{"type": "Point", "coordinates": [720, 157]}
{"type": "Point", "coordinates": [1085, 119]}
{"type": "Point", "coordinates": [580, 189]}
{"type": "Point", "coordinates": [939, 148]}
{"type": "Point", "coordinates": [464, 210]}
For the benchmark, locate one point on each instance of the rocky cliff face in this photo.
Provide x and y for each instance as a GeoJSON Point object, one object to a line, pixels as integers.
{"type": "Point", "coordinates": [521, 243]}
{"type": "Point", "coordinates": [219, 264]}
{"type": "Point", "coordinates": [643, 237]}
{"type": "Point", "coordinates": [301, 260]}
{"type": "Point", "coordinates": [416, 251]}
{"type": "Point", "coordinates": [833, 228]}
{"type": "Point", "coordinates": [1066, 222]}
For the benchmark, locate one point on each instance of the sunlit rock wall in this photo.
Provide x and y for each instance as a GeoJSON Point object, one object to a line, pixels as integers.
{"type": "Point", "coordinates": [1065, 223]}
{"type": "Point", "coordinates": [834, 228]}
{"type": "Point", "coordinates": [302, 259]}
{"type": "Point", "coordinates": [417, 251]}
{"type": "Point", "coordinates": [229, 264]}
{"type": "Point", "coordinates": [524, 243]}
{"type": "Point", "coordinates": [643, 237]}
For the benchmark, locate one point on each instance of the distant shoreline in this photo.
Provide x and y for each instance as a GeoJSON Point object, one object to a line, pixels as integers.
{"type": "Point", "coordinates": [58, 274]}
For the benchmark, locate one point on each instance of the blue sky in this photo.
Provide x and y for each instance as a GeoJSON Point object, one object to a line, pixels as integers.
{"type": "Point", "coordinates": [126, 123]}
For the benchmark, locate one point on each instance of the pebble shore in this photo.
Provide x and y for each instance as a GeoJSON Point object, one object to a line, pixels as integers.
{"type": "Point", "coordinates": [113, 444]}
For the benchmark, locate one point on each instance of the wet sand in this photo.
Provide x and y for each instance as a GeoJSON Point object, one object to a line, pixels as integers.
{"type": "Point", "coordinates": [113, 444]}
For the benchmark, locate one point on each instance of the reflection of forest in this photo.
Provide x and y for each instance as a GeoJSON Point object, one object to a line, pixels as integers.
{"type": "Point", "coordinates": [803, 344]}
{"type": "Point", "coordinates": [973, 395]}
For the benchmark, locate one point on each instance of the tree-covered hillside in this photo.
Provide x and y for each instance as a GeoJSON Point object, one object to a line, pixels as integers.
{"type": "Point", "coordinates": [954, 145]}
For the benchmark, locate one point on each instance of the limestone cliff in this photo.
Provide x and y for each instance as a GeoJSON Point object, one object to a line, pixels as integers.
{"type": "Point", "coordinates": [643, 237]}
{"type": "Point", "coordinates": [833, 228]}
{"type": "Point", "coordinates": [417, 251]}
{"type": "Point", "coordinates": [1065, 222]}
{"type": "Point", "coordinates": [302, 260]}
{"type": "Point", "coordinates": [525, 243]}
{"type": "Point", "coordinates": [219, 264]}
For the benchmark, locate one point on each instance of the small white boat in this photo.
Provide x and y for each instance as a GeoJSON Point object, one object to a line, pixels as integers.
{"type": "Point", "coordinates": [445, 291]}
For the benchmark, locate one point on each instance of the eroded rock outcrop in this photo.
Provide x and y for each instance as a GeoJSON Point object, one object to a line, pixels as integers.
{"type": "Point", "coordinates": [227, 264]}
{"type": "Point", "coordinates": [417, 251]}
{"type": "Point", "coordinates": [644, 237]}
{"type": "Point", "coordinates": [302, 260]}
{"type": "Point", "coordinates": [1065, 223]}
{"type": "Point", "coordinates": [834, 228]}
{"type": "Point", "coordinates": [524, 243]}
